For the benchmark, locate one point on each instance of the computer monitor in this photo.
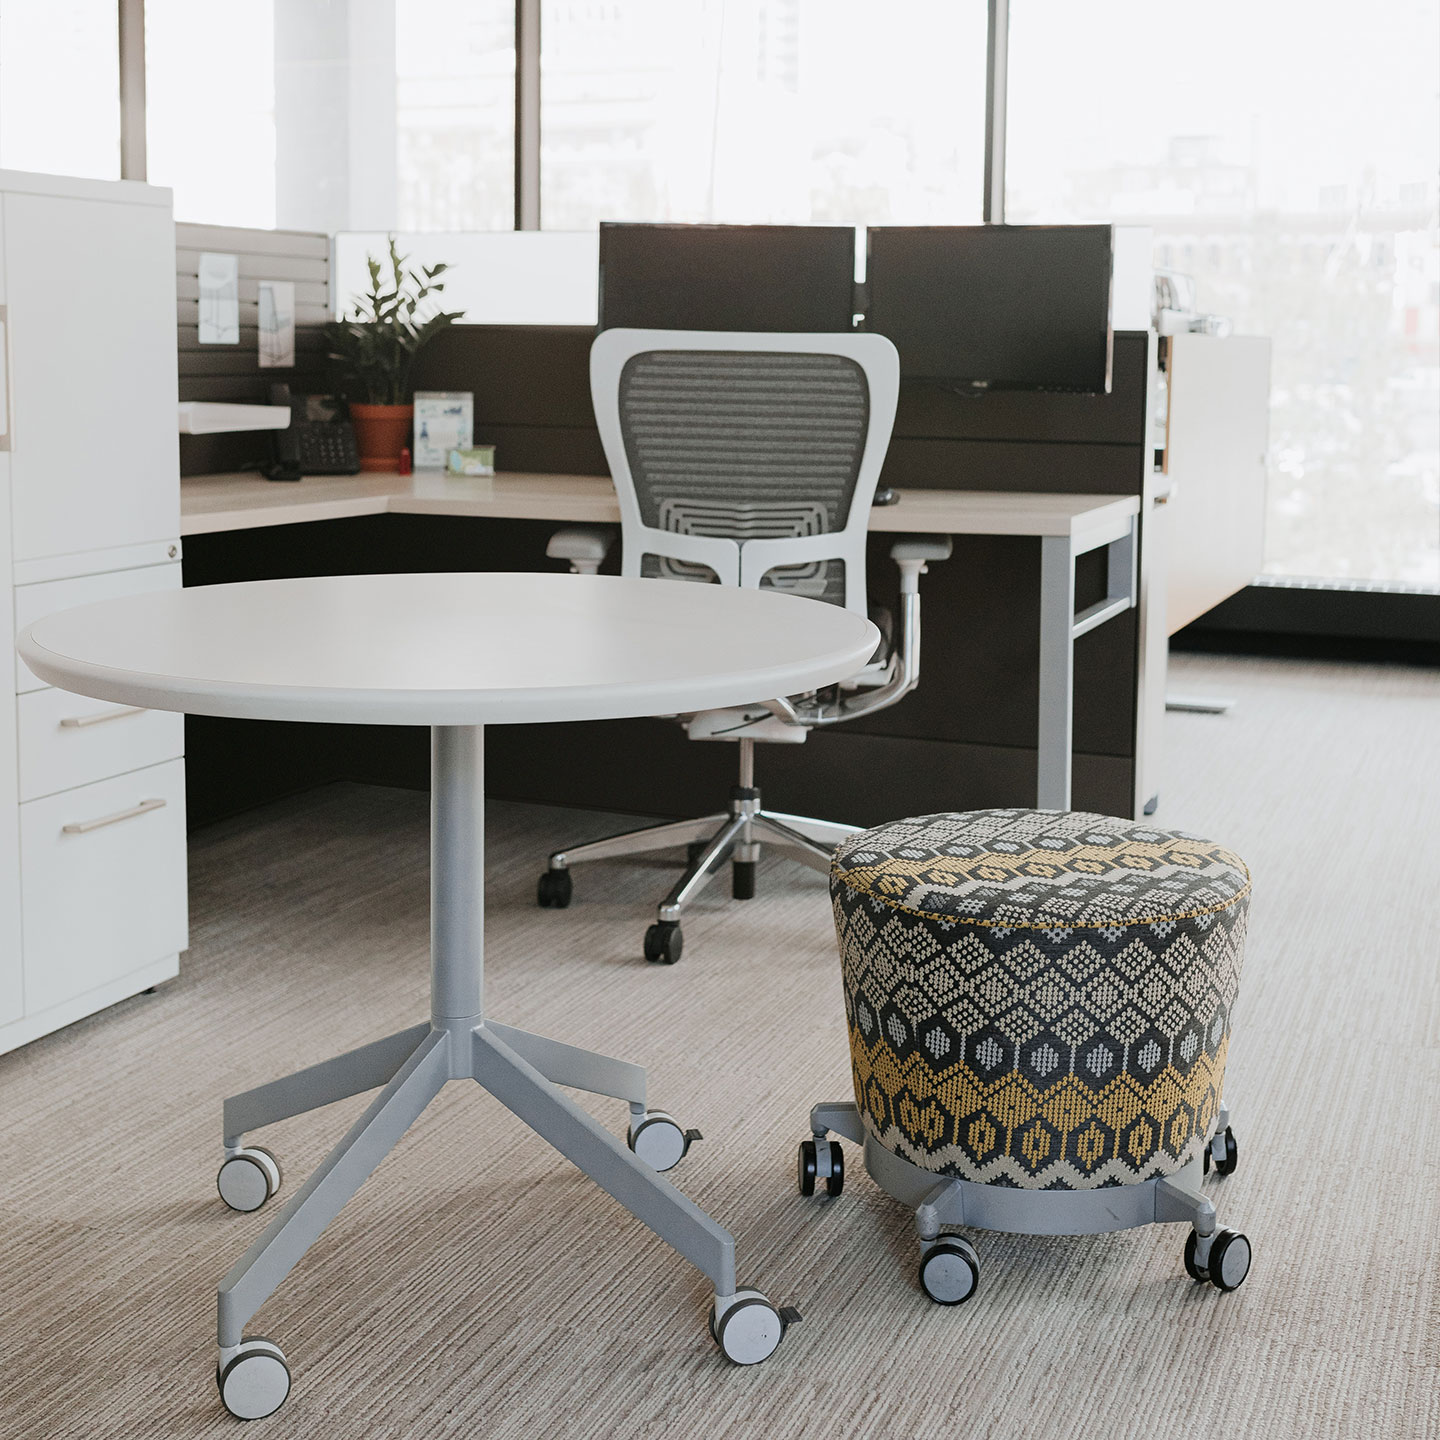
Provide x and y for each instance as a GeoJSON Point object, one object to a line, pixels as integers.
{"type": "Point", "coordinates": [1015, 307]}
{"type": "Point", "coordinates": [798, 278]}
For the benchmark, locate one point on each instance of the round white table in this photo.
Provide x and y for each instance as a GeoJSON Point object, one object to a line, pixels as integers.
{"type": "Point", "coordinates": [453, 652]}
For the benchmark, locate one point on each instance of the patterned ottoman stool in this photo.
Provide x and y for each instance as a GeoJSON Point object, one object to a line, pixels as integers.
{"type": "Point", "coordinates": [1039, 1009]}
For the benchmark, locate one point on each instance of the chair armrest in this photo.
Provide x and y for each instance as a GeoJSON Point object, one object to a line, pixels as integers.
{"type": "Point", "coordinates": [584, 546]}
{"type": "Point", "coordinates": [911, 552]}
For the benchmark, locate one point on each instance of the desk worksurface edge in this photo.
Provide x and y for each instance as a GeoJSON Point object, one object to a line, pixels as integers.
{"type": "Point", "coordinates": [210, 503]}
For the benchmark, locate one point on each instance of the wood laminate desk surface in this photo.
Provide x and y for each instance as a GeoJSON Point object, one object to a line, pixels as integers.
{"type": "Point", "coordinates": [210, 503]}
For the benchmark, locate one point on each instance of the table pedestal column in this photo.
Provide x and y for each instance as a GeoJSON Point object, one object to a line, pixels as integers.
{"type": "Point", "coordinates": [519, 1069]}
{"type": "Point", "coordinates": [457, 874]}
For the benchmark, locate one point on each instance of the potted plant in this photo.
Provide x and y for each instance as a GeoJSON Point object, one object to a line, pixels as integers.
{"type": "Point", "coordinates": [375, 348]}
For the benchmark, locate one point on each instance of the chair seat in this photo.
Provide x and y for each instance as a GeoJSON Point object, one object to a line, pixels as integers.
{"type": "Point", "coordinates": [1039, 999]}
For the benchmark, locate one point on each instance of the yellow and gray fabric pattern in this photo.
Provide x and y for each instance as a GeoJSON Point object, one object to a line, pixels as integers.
{"type": "Point", "coordinates": [746, 445]}
{"type": "Point", "coordinates": [1039, 999]}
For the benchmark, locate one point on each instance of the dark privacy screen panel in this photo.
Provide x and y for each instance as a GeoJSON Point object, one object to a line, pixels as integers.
{"type": "Point", "coordinates": [745, 445]}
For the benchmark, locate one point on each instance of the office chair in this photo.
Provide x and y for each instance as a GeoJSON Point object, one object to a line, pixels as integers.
{"type": "Point", "coordinates": [748, 459]}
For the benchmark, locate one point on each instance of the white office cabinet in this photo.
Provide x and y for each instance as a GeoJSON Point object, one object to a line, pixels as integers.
{"type": "Point", "coordinates": [66, 740]}
{"type": "Point", "coordinates": [92, 795]}
{"type": "Point", "coordinates": [93, 437]}
{"type": "Point", "coordinates": [102, 883]}
{"type": "Point", "coordinates": [12, 997]}
{"type": "Point", "coordinates": [34, 602]}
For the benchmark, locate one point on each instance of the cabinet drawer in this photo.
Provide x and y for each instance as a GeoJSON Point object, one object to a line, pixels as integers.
{"type": "Point", "coordinates": [34, 602]}
{"type": "Point", "coordinates": [102, 874]}
{"type": "Point", "coordinates": [66, 740]}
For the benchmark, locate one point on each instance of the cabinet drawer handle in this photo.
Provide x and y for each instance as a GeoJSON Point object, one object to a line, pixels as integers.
{"type": "Point", "coordinates": [83, 827]}
{"type": "Point", "coordinates": [79, 722]}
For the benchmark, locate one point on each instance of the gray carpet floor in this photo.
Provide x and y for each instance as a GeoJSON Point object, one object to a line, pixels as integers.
{"type": "Point", "coordinates": [478, 1285]}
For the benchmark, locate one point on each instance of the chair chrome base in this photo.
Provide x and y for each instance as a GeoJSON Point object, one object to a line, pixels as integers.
{"type": "Point", "coordinates": [459, 1042]}
{"type": "Point", "coordinates": [949, 1266]}
{"type": "Point", "coordinates": [733, 835]}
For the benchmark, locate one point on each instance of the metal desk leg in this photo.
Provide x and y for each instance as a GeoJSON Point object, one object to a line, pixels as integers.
{"type": "Point", "coordinates": [1057, 672]}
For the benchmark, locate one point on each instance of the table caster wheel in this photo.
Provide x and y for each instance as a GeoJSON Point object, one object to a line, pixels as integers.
{"type": "Point", "coordinates": [664, 942]}
{"type": "Point", "coordinates": [950, 1270]}
{"type": "Point", "coordinates": [742, 879]}
{"type": "Point", "coordinates": [255, 1380]}
{"type": "Point", "coordinates": [248, 1178]}
{"type": "Point", "coordinates": [1226, 1265]}
{"type": "Point", "coordinates": [751, 1328]}
{"type": "Point", "coordinates": [1224, 1164]}
{"type": "Point", "coordinates": [554, 890]}
{"type": "Point", "coordinates": [659, 1141]}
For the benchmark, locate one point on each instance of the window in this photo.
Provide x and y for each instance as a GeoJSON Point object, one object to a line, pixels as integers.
{"type": "Point", "coordinates": [323, 115]}
{"type": "Point", "coordinates": [455, 115]}
{"type": "Point", "coordinates": [210, 108]}
{"type": "Point", "coordinates": [779, 111]}
{"type": "Point", "coordinates": [1290, 168]}
{"type": "Point", "coordinates": [60, 87]}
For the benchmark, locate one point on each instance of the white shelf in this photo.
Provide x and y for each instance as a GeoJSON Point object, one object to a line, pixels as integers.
{"type": "Point", "coordinates": [207, 417]}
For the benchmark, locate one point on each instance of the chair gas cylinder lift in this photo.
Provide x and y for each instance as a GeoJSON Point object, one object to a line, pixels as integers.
{"type": "Point", "coordinates": [751, 460]}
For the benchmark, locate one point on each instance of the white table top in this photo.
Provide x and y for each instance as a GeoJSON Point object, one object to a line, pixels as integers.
{"type": "Point", "coordinates": [443, 649]}
{"type": "Point", "coordinates": [239, 502]}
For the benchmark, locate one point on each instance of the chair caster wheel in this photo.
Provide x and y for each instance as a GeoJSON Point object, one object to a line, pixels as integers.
{"type": "Point", "coordinates": [255, 1380]}
{"type": "Point", "coordinates": [1224, 1165]}
{"type": "Point", "coordinates": [664, 942]}
{"type": "Point", "coordinates": [659, 1141]}
{"type": "Point", "coordinates": [950, 1270]}
{"type": "Point", "coordinates": [751, 1328]}
{"type": "Point", "coordinates": [742, 879]}
{"type": "Point", "coordinates": [694, 850]}
{"type": "Point", "coordinates": [248, 1178]}
{"type": "Point", "coordinates": [808, 1166]}
{"type": "Point", "coordinates": [554, 890]}
{"type": "Point", "coordinates": [1227, 1263]}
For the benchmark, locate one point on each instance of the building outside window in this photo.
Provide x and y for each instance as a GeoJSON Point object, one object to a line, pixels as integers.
{"type": "Point", "coordinates": [761, 111]}
{"type": "Point", "coordinates": [1289, 165]}
{"type": "Point", "coordinates": [60, 87]}
{"type": "Point", "coordinates": [330, 116]}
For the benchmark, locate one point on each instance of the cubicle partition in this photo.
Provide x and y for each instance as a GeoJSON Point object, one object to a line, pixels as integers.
{"type": "Point", "coordinates": [966, 738]}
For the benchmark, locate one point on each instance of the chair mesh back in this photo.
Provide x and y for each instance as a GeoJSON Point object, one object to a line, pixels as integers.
{"type": "Point", "coordinates": [745, 445]}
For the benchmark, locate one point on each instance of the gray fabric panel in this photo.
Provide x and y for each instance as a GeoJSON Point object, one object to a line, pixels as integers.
{"type": "Point", "coordinates": [746, 445]}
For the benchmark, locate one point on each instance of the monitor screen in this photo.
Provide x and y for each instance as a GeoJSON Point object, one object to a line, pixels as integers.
{"type": "Point", "coordinates": [797, 278]}
{"type": "Point", "coordinates": [1016, 307]}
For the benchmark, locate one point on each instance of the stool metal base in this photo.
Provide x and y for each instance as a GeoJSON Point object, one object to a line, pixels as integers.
{"type": "Point", "coordinates": [941, 1202]}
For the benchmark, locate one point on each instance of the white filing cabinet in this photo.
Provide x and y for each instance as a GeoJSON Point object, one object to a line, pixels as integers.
{"type": "Point", "coordinates": [92, 795]}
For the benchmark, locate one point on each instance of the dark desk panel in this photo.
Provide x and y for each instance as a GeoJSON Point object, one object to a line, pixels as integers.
{"type": "Point", "coordinates": [964, 739]}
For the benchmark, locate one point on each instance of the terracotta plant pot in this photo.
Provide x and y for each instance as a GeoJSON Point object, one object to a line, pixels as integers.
{"type": "Point", "coordinates": [381, 433]}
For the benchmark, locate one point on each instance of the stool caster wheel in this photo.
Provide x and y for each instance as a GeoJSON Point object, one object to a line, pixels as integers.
{"type": "Point", "coordinates": [659, 1141]}
{"type": "Point", "coordinates": [1224, 1165]}
{"type": "Point", "coordinates": [1227, 1263]}
{"type": "Point", "coordinates": [807, 1167]}
{"type": "Point", "coordinates": [248, 1178]}
{"type": "Point", "coordinates": [664, 942]}
{"type": "Point", "coordinates": [751, 1328]}
{"type": "Point", "coordinates": [742, 879]}
{"type": "Point", "coordinates": [950, 1270]}
{"type": "Point", "coordinates": [254, 1380]}
{"type": "Point", "coordinates": [554, 890]}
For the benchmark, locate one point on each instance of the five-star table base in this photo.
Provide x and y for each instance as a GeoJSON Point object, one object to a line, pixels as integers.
{"type": "Point", "coordinates": [519, 1069]}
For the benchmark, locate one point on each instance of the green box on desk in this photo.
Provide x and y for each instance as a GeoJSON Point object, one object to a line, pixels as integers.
{"type": "Point", "coordinates": [473, 460]}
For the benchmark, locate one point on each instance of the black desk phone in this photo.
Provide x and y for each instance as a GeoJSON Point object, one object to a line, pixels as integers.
{"type": "Point", "coordinates": [318, 441]}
